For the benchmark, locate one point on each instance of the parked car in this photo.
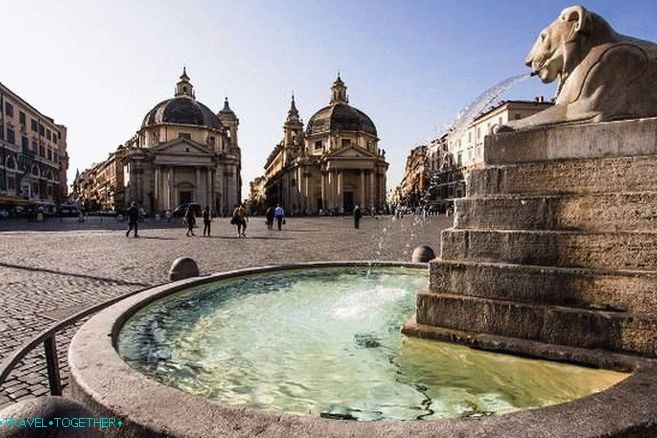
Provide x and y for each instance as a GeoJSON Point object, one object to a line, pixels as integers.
{"type": "Point", "coordinates": [69, 211]}
{"type": "Point", "coordinates": [182, 208]}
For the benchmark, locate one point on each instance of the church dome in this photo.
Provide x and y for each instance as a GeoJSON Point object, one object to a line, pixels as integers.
{"type": "Point", "coordinates": [339, 115]}
{"type": "Point", "coordinates": [183, 109]}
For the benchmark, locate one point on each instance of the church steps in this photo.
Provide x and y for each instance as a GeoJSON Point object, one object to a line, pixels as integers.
{"type": "Point", "coordinates": [592, 329]}
{"type": "Point", "coordinates": [558, 177]}
{"type": "Point", "coordinates": [626, 211]}
{"type": "Point", "coordinates": [609, 251]}
{"type": "Point", "coordinates": [634, 291]}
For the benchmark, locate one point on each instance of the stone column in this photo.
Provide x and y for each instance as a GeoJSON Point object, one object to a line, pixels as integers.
{"type": "Point", "coordinates": [371, 200]}
{"type": "Point", "coordinates": [170, 188]}
{"type": "Point", "coordinates": [208, 188]}
{"type": "Point", "coordinates": [339, 189]}
{"type": "Point", "coordinates": [157, 189]}
{"type": "Point", "coordinates": [197, 192]}
{"type": "Point", "coordinates": [323, 191]}
{"type": "Point", "coordinates": [361, 191]}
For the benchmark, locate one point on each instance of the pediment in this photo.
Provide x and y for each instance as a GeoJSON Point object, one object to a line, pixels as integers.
{"type": "Point", "coordinates": [352, 152]}
{"type": "Point", "coordinates": [180, 146]}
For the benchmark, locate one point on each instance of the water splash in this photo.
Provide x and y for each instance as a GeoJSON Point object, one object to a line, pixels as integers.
{"type": "Point", "coordinates": [468, 114]}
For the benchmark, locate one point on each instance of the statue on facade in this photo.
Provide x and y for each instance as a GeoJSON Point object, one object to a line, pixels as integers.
{"type": "Point", "coordinates": [603, 75]}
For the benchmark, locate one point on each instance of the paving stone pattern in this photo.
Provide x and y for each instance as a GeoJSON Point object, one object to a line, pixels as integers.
{"type": "Point", "coordinates": [51, 270]}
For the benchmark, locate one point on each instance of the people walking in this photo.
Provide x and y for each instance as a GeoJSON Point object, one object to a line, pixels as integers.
{"type": "Point", "coordinates": [269, 217]}
{"type": "Point", "coordinates": [133, 219]}
{"type": "Point", "coordinates": [357, 215]}
{"type": "Point", "coordinates": [190, 219]}
{"type": "Point", "coordinates": [239, 220]}
{"type": "Point", "coordinates": [207, 218]}
{"type": "Point", "coordinates": [279, 213]}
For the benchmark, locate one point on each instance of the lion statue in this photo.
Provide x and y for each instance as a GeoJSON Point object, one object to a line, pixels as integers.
{"type": "Point", "coordinates": [603, 75]}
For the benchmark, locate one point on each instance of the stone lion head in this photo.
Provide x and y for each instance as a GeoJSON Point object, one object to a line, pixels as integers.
{"type": "Point", "coordinates": [549, 55]}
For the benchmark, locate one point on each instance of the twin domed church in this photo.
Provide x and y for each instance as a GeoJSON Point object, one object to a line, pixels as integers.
{"type": "Point", "coordinates": [185, 152]}
{"type": "Point", "coordinates": [332, 165]}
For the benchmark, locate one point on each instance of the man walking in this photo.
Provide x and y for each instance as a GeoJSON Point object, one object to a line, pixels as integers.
{"type": "Point", "coordinates": [279, 213]}
{"type": "Point", "coordinates": [269, 215]}
{"type": "Point", "coordinates": [207, 218]}
{"type": "Point", "coordinates": [357, 215]}
{"type": "Point", "coordinates": [133, 219]}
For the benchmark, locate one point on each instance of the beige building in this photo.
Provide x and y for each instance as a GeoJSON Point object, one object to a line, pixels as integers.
{"type": "Point", "coordinates": [332, 166]}
{"type": "Point", "coordinates": [33, 157]}
{"type": "Point", "coordinates": [468, 149]}
{"type": "Point", "coordinates": [182, 153]}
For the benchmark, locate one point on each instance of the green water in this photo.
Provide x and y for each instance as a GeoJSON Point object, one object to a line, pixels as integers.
{"type": "Point", "coordinates": [327, 342]}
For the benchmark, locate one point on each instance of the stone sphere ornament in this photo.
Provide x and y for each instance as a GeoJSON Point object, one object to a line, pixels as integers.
{"type": "Point", "coordinates": [422, 254]}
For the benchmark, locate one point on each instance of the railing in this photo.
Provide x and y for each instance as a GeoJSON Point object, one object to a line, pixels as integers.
{"type": "Point", "coordinates": [49, 340]}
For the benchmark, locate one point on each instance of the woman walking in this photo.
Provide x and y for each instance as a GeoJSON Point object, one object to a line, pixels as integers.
{"type": "Point", "coordinates": [190, 218]}
{"type": "Point", "coordinates": [207, 218]}
{"type": "Point", "coordinates": [239, 220]}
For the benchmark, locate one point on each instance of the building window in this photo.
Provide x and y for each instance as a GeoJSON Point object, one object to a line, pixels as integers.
{"type": "Point", "coordinates": [54, 137]}
{"type": "Point", "coordinates": [34, 125]}
{"type": "Point", "coordinates": [516, 116]}
{"type": "Point", "coordinates": [42, 130]}
{"type": "Point", "coordinates": [21, 118]}
{"type": "Point", "coordinates": [25, 144]}
{"type": "Point", "coordinates": [42, 151]}
{"type": "Point", "coordinates": [35, 146]}
{"type": "Point", "coordinates": [50, 154]}
{"type": "Point", "coordinates": [35, 189]}
{"type": "Point", "coordinates": [11, 182]}
{"type": "Point", "coordinates": [9, 109]}
{"type": "Point", "coordinates": [48, 134]}
{"type": "Point", "coordinates": [499, 121]}
{"type": "Point", "coordinates": [35, 171]}
{"type": "Point", "coordinates": [186, 135]}
{"type": "Point", "coordinates": [50, 191]}
{"type": "Point", "coordinates": [458, 159]}
{"type": "Point", "coordinates": [478, 132]}
{"type": "Point", "coordinates": [11, 136]}
{"type": "Point", "coordinates": [319, 145]}
{"type": "Point", "coordinates": [346, 142]}
{"type": "Point", "coordinates": [55, 157]}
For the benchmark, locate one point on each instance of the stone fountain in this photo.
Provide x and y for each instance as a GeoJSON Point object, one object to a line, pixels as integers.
{"type": "Point", "coordinates": [553, 252]}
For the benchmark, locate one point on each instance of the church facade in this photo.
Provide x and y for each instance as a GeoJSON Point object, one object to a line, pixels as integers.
{"type": "Point", "coordinates": [332, 165]}
{"type": "Point", "coordinates": [183, 152]}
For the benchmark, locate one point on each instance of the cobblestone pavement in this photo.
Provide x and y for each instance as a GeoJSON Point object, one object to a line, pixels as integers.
{"type": "Point", "coordinates": [55, 269]}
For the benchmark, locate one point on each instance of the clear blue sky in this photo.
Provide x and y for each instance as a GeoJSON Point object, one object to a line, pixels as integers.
{"type": "Point", "coordinates": [99, 66]}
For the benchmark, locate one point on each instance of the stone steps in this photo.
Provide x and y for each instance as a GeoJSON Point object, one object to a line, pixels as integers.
{"type": "Point", "coordinates": [632, 291]}
{"type": "Point", "coordinates": [558, 177]}
{"type": "Point", "coordinates": [627, 211]}
{"type": "Point", "coordinates": [482, 341]}
{"type": "Point", "coordinates": [591, 329]}
{"type": "Point", "coordinates": [611, 251]}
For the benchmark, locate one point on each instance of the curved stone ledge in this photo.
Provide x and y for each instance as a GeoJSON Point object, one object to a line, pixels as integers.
{"type": "Point", "coordinates": [108, 386]}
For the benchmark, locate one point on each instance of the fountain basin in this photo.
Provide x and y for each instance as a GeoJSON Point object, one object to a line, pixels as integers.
{"type": "Point", "coordinates": [104, 382]}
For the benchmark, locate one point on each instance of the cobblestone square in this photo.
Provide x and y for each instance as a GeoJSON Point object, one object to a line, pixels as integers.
{"type": "Point", "coordinates": [55, 269]}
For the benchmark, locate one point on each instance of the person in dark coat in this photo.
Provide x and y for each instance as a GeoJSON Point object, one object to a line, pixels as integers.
{"type": "Point", "coordinates": [190, 218]}
{"type": "Point", "coordinates": [133, 219]}
{"type": "Point", "coordinates": [357, 215]}
{"type": "Point", "coordinates": [206, 220]}
{"type": "Point", "coordinates": [269, 215]}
